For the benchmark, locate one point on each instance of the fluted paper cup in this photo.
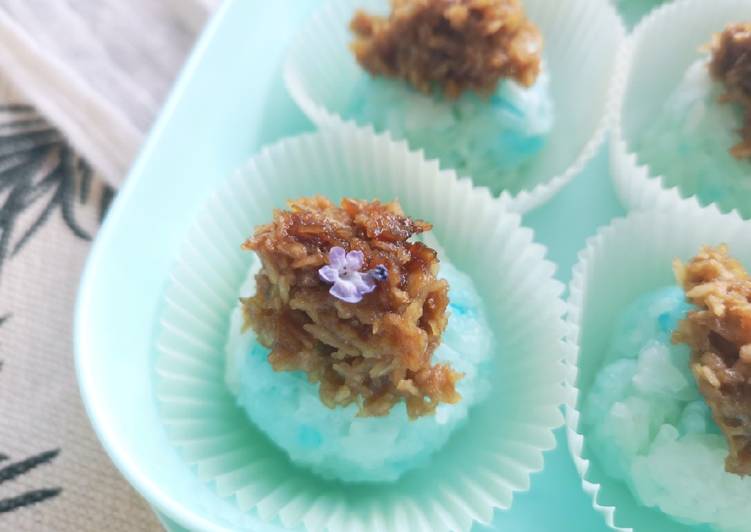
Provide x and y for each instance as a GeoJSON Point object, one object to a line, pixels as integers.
{"type": "Point", "coordinates": [581, 41]}
{"type": "Point", "coordinates": [483, 464]}
{"type": "Point", "coordinates": [630, 257]}
{"type": "Point", "coordinates": [650, 65]}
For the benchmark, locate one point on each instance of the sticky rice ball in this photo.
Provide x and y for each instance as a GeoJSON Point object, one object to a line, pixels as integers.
{"type": "Point", "coordinates": [341, 436]}
{"type": "Point", "coordinates": [667, 414]}
{"type": "Point", "coordinates": [462, 80]}
{"type": "Point", "coordinates": [699, 141]}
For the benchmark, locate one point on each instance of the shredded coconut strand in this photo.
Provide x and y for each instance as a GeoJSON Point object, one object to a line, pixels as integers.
{"type": "Point", "coordinates": [455, 45]}
{"type": "Point", "coordinates": [731, 64]}
{"type": "Point", "coordinates": [719, 334]}
{"type": "Point", "coordinates": [370, 343]}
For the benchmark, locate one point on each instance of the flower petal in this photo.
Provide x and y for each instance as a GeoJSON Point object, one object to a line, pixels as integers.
{"type": "Point", "coordinates": [346, 292]}
{"type": "Point", "coordinates": [355, 260]}
{"type": "Point", "coordinates": [364, 283]}
{"type": "Point", "coordinates": [328, 274]}
{"type": "Point", "coordinates": [337, 257]}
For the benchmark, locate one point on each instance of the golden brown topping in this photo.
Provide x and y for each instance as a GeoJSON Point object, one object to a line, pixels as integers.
{"type": "Point", "coordinates": [457, 45]}
{"type": "Point", "coordinates": [731, 64]}
{"type": "Point", "coordinates": [375, 352]}
{"type": "Point", "coordinates": [719, 334]}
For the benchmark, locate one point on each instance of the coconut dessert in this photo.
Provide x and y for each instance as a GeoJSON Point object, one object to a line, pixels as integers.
{"type": "Point", "coordinates": [463, 80]}
{"type": "Point", "coordinates": [354, 347]}
{"type": "Point", "coordinates": [669, 413]}
{"type": "Point", "coordinates": [700, 141]}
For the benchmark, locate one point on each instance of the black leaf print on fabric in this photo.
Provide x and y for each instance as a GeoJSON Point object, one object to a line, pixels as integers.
{"type": "Point", "coordinates": [39, 170]}
{"type": "Point", "coordinates": [27, 499]}
{"type": "Point", "coordinates": [16, 469]}
{"type": "Point", "coordinates": [17, 107]}
{"type": "Point", "coordinates": [108, 194]}
{"type": "Point", "coordinates": [9, 472]}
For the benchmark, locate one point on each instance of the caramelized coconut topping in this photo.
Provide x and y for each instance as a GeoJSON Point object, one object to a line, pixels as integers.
{"type": "Point", "coordinates": [719, 334]}
{"type": "Point", "coordinates": [456, 45]}
{"type": "Point", "coordinates": [731, 64]}
{"type": "Point", "coordinates": [375, 352]}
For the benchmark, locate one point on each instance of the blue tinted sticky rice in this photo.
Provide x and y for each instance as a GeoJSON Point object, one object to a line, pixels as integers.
{"type": "Point", "coordinates": [488, 139]}
{"type": "Point", "coordinates": [648, 426]}
{"type": "Point", "coordinates": [689, 140]}
{"type": "Point", "coordinates": [337, 444]}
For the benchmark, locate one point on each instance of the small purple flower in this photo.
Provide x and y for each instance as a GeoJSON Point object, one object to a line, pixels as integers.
{"type": "Point", "coordinates": [343, 271]}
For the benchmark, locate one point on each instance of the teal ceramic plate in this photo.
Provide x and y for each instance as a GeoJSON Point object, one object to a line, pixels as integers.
{"type": "Point", "coordinates": [228, 102]}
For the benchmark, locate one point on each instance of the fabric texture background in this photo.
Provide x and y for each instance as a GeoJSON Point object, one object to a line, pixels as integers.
{"type": "Point", "coordinates": [80, 83]}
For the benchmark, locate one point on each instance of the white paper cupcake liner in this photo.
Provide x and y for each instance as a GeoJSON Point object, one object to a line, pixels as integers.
{"type": "Point", "coordinates": [630, 257]}
{"type": "Point", "coordinates": [649, 66]}
{"type": "Point", "coordinates": [484, 463]}
{"type": "Point", "coordinates": [581, 41]}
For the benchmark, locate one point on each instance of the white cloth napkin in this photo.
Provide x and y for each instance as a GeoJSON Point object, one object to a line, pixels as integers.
{"type": "Point", "coordinates": [98, 69]}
